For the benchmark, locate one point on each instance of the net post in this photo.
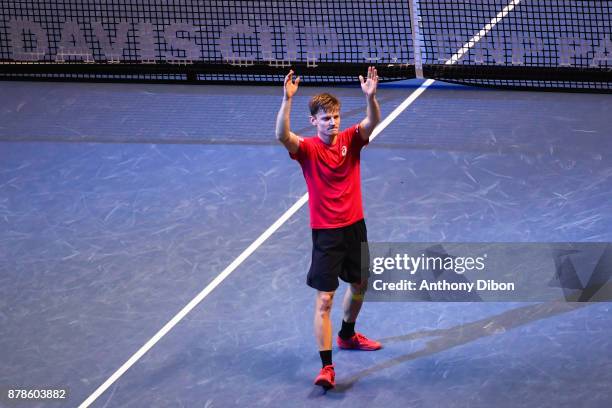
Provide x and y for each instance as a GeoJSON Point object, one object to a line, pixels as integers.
{"type": "Point", "coordinates": [416, 37]}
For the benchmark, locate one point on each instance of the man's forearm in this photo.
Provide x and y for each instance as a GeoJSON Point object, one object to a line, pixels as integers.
{"type": "Point", "coordinates": [372, 111]}
{"type": "Point", "coordinates": [283, 128]}
{"type": "Point", "coordinates": [372, 116]}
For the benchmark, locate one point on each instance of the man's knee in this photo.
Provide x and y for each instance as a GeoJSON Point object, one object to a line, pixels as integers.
{"type": "Point", "coordinates": [324, 302]}
{"type": "Point", "coordinates": [358, 289]}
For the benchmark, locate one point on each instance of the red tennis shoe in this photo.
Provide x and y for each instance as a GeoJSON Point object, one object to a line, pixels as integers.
{"type": "Point", "coordinates": [358, 342]}
{"type": "Point", "coordinates": [326, 377]}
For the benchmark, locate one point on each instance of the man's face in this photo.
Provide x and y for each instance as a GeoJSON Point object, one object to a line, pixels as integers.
{"type": "Point", "coordinates": [327, 123]}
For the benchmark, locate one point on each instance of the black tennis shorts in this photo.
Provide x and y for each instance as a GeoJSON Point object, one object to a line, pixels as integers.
{"type": "Point", "coordinates": [336, 253]}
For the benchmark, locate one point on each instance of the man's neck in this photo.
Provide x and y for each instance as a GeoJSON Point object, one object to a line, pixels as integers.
{"type": "Point", "coordinates": [328, 140]}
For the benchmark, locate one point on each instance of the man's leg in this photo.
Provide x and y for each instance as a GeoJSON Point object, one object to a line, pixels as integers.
{"type": "Point", "coordinates": [353, 299]}
{"type": "Point", "coordinates": [322, 322]}
{"type": "Point", "coordinates": [323, 334]}
{"type": "Point", "coordinates": [347, 337]}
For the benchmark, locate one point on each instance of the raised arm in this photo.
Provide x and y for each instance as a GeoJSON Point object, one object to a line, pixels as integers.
{"type": "Point", "coordinates": [283, 129]}
{"type": "Point", "coordinates": [372, 119]}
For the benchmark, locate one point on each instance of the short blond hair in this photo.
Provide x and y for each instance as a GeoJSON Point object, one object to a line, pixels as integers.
{"type": "Point", "coordinates": [323, 101]}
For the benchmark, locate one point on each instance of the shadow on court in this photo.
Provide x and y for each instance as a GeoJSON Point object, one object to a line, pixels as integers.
{"type": "Point", "coordinates": [444, 339]}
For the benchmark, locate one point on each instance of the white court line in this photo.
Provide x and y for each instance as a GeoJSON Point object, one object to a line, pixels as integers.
{"type": "Point", "coordinates": [277, 224]}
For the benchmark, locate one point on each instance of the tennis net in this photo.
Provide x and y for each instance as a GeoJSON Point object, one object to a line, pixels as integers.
{"type": "Point", "coordinates": [518, 43]}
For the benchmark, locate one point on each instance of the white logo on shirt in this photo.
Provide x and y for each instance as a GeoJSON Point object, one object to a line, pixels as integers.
{"type": "Point", "coordinates": [343, 151]}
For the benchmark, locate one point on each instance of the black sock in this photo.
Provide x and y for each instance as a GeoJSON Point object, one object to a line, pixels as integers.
{"type": "Point", "coordinates": [347, 331]}
{"type": "Point", "coordinates": [326, 357]}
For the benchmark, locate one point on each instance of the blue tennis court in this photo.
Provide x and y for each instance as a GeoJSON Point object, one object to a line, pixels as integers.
{"type": "Point", "coordinates": [120, 203]}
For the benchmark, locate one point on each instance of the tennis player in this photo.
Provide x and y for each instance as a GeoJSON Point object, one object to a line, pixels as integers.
{"type": "Point", "coordinates": [330, 163]}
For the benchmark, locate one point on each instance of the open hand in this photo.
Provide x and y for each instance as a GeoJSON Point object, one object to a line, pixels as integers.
{"type": "Point", "coordinates": [291, 86]}
{"type": "Point", "coordinates": [368, 85]}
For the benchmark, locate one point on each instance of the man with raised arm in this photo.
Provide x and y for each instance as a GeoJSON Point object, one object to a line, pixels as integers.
{"type": "Point", "coordinates": [330, 163]}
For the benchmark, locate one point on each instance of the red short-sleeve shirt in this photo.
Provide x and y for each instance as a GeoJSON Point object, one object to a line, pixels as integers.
{"type": "Point", "coordinates": [333, 178]}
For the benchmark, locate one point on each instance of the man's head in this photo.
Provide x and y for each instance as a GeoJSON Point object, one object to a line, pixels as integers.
{"type": "Point", "coordinates": [325, 115]}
